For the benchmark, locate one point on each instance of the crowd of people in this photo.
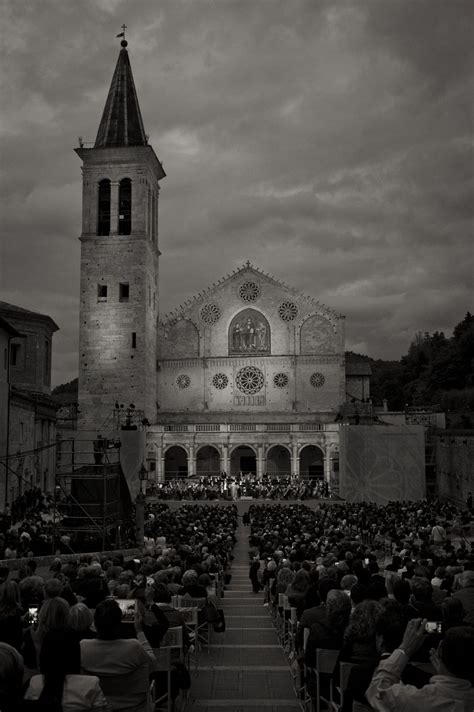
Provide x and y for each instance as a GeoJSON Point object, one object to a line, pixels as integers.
{"type": "Point", "coordinates": [64, 643]}
{"type": "Point", "coordinates": [389, 587]}
{"type": "Point", "coordinates": [242, 486]}
{"type": "Point", "coordinates": [404, 617]}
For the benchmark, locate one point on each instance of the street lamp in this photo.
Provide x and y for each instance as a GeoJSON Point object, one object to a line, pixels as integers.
{"type": "Point", "coordinates": [142, 476]}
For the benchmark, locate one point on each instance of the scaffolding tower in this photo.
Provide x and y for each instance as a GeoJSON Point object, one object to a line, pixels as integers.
{"type": "Point", "coordinates": [88, 500]}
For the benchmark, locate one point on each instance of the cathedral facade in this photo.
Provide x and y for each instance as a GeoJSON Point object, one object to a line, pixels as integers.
{"type": "Point", "coordinates": [249, 376]}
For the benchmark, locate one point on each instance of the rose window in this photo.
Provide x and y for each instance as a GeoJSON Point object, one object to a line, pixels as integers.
{"type": "Point", "coordinates": [317, 380]}
{"type": "Point", "coordinates": [220, 381]}
{"type": "Point", "coordinates": [250, 380]}
{"type": "Point", "coordinates": [280, 380]}
{"type": "Point", "coordinates": [210, 313]}
{"type": "Point", "coordinates": [249, 291]}
{"type": "Point", "coordinates": [288, 311]}
{"type": "Point", "coordinates": [183, 381]}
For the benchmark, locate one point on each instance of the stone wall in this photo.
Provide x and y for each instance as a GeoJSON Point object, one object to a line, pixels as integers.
{"type": "Point", "coordinates": [251, 344]}
{"type": "Point", "coordinates": [117, 334]}
{"type": "Point", "coordinates": [455, 465]}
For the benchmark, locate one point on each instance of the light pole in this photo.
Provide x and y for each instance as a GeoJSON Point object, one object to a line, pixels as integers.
{"type": "Point", "coordinates": [140, 506]}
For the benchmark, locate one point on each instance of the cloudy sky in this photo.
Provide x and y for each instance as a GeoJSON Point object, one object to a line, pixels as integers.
{"type": "Point", "coordinates": [328, 141]}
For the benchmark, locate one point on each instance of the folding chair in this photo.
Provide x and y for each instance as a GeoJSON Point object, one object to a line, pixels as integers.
{"type": "Point", "coordinates": [190, 616]}
{"type": "Point", "coordinates": [340, 689]}
{"type": "Point", "coordinates": [325, 664]}
{"type": "Point", "coordinates": [170, 651]}
{"type": "Point", "coordinates": [204, 629]}
{"type": "Point", "coordinates": [292, 624]}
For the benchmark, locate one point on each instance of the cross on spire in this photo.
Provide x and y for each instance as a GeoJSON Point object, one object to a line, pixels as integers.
{"type": "Point", "coordinates": [122, 34]}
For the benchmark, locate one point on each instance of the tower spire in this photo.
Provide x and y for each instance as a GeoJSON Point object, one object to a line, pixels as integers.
{"type": "Point", "coordinates": [121, 123]}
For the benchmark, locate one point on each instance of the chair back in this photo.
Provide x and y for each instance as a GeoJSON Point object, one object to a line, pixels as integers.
{"type": "Point", "coordinates": [190, 615]}
{"type": "Point", "coordinates": [345, 671]}
{"type": "Point", "coordinates": [326, 660]}
{"type": "Point", "coordinates": [186, 600]}
{"type": "Point", "coordinates": [281, 600]}
{"type": "Point", "coordinates": [306, 632]}
{"type": "Point", "coordinates": [173, 638]}
{"type": "Point", "coordinates": [163, 658]}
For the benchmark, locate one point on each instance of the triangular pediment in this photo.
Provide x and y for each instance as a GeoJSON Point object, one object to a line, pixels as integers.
{"type": "Point", "coordinates": [248, 282]}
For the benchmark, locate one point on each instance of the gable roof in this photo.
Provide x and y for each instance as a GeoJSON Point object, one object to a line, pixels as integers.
{"type": "Point", "coordinates": [13, 312]}
{"type": "Point", "coordinates": [248, 268]}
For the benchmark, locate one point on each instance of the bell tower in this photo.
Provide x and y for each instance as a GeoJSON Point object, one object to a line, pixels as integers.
{"type": "Point", "coordinates": [119, 260]}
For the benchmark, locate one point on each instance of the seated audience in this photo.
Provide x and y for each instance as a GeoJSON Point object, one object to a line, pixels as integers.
{"type": "Point", "coordinates": [60, 687]}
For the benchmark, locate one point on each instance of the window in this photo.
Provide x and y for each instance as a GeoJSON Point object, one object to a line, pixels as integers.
{"type": "Point", "coordinates": [125, 207]}
{"type": "Point", "coordinates": [103, 219]}
{"type": "Point", "coordinates": [15, 354]}
{"type": "Point", "coordinates": [124, 292]}
{"type": "Point", "coordinates": [134, 340]}
{"type": "Point", "coordinates": [101, 292]}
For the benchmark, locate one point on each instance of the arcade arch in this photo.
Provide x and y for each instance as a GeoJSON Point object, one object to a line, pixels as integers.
{"type": "Point", "coordinates": [208, 461]}
{"type": "Point", "coordinates": [243, 458]}
{"type": "Point", "coordinates": [176, 462]}
{"type": "Point", "coordinates": [278, 461]}
{"type": "Point", "coordinates": [312, 462]}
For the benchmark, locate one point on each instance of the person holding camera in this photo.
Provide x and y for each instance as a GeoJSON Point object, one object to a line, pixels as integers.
{"type": "Point", "coordinates": [449, 690]}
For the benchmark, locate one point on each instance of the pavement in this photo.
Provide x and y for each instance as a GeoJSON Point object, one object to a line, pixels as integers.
{"type": "Point", "coordinates": [245, 668]}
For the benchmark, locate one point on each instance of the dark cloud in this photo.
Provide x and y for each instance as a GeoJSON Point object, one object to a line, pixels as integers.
{"type": "Point", "coordinates": [329, 143]}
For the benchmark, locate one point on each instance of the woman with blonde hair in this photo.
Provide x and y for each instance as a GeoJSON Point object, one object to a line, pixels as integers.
{"type": "Point", "coordinates": [80, 620]}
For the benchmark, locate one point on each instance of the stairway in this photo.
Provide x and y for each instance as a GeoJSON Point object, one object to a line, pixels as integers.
{"type": "Point", "coordinates": [246, 669]}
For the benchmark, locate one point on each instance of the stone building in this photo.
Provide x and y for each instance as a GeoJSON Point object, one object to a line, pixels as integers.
{"type": "Point", "coordinates": [248, 376]}
{"type": "Point", "coordinates": [27, 412]}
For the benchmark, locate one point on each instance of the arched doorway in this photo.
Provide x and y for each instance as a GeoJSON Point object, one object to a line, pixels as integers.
{"type": "Point", "coordinates": [208, 461]}
{"type": "Point", "coordinates": [176, 462]}
{"type": "Point", "coordinates": [312, 462]}
{"type": "Point", "coordinates": [243, 459]}
{"type": "Point", "coordinates": [278, 461]}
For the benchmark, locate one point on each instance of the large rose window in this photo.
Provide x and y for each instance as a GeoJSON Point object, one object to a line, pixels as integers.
{"type": "Point", "coordinates": [250, 380]}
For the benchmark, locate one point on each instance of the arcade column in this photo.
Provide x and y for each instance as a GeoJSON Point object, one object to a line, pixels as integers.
{"type": "Point", "coordinates": [225, 459]}
{"type": "Point", "coordinates": [160, 464]}
{"type": "Point", "coordinates": [260, 462]}
{"type": "Point", "coordinates": [327, 464]}
{"type": "Point", "coordinates": [191, 461]}
{"type": "Point", "coordinates": [295, 460]}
